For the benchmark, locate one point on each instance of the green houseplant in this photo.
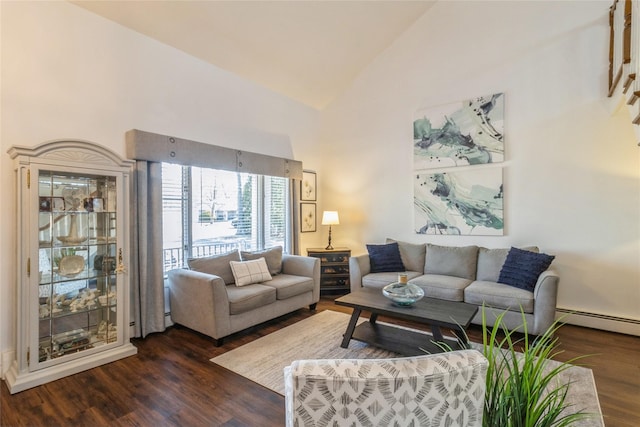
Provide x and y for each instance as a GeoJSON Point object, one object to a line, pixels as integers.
{"type": "Point", "coordinates": [523, 390]}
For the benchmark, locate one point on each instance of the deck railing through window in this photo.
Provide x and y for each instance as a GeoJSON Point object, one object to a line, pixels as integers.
{"type": "Point", "coordinates": [174, 257]}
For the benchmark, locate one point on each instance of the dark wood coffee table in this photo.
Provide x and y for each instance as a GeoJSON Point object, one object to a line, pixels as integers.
{"type": "Point", "coordinates": [455, 316]}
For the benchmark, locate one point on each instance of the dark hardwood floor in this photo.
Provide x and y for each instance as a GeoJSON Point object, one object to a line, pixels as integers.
{"type": "Point", "coordinates": [172, 383]}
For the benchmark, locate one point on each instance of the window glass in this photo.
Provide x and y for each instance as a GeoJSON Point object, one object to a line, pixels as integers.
{"type": "Point", "coordinates": [276, 213]}
{"type": "Point", "coordinates": [207, 212]}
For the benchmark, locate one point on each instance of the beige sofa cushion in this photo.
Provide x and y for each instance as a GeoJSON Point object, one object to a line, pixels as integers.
{"type": "Point", "coordinates": [412, 254]}
{"type": "Point", "coordinates": [250, 297]}
{"type": "Point", "coordinates": [216, 264]}
{"type": "Point", "coordinates": [288, 286]}
{"type": "Point", "coordinates": [448, 288]}
{"type": "Point", "coordinates": [380, 280]}
{"type": "Point", "coordinates": [457, 261]}
{"type": "Point", "coordinates": [498, 295]}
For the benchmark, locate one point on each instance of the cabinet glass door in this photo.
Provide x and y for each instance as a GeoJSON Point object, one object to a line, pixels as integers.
{"type": "Point", "coordinates": [77, 263]}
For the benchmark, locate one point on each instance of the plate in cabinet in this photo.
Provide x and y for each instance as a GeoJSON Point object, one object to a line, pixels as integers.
{"type": "Point", "coordinates": [71, 265]}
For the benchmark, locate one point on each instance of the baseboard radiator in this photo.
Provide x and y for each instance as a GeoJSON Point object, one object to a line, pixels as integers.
{"type": "Point", "coordinates": [604, 322]}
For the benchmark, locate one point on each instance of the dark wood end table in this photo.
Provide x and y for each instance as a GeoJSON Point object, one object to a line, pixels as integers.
{"type": "Point", "coordinates": [436, 313]}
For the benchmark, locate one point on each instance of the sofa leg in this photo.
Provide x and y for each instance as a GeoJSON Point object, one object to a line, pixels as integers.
{"type": "Point", "coordinates": [218, 341]}
{"type": "Point", "coordinates": [312, 307]}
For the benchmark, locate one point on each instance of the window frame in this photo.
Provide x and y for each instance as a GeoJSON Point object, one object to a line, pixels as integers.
{"type": "Point", "coordinates": [259, 206]}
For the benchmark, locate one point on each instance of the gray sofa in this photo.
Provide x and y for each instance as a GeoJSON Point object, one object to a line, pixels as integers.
{"type": "Point", "coordinates": [205, 298]}
{"type": "Point", "coordinates": [468, 274]}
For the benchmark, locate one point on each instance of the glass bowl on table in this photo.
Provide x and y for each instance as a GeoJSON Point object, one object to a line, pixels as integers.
{"type": "Point", "coordinates": [403, 293]}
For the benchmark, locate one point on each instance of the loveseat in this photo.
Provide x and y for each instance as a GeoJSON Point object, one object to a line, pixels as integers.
{"type": "Point", "coordinates": [223, 294]}
{"type": "Point", "coordinates": [442, 389]}
{"type": "Point", "coordinates": [505, 280]}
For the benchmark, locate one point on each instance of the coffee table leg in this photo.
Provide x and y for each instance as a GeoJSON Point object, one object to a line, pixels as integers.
{"type": "Point", "coordinates": [373, 318]}
{"type": "Point", "coordinates": [437, 333]}
{"type": "Point", "coordinates": [350, 328]}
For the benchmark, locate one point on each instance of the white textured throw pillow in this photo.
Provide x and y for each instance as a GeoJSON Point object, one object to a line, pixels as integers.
{"type": "Point", "coordinates": [249, 272]}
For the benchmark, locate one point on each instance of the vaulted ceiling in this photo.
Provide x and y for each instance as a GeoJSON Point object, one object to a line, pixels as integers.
{"type": "Point", "coordinates": [309, 51]}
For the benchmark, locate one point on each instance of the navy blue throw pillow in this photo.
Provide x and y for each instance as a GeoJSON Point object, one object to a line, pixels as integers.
{"type": "Point", "coordinates": [522, 268]}
{"type": "Point", "coordinates": [385, 258]}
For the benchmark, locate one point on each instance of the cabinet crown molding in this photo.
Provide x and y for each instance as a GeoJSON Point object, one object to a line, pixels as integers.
{"type": "Point", "coordinates": [71, 151]}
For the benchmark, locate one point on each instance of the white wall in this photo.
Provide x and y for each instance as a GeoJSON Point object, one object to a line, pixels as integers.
{"type": "Point", "coordinates": [572, 174]}
{"type": "Point", "coordinates": [67, 73]}
{"type": "Point", "coordinates": [572, 179]}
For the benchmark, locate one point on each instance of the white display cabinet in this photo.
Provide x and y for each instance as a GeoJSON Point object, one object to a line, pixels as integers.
{"type": "Point", "coordinates": [72, 278]}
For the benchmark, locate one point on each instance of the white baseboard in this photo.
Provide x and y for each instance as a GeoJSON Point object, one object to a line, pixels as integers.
{"type": "Point", "coordinates": [600, 321]}
{"type": "Point", "coordinates": [8, 357]}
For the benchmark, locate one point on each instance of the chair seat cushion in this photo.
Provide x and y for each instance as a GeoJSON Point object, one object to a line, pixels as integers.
{"type": "Point", "coordinates": [380, 280]}
{"type": "Point", "coordinates": [288, 286]}
{"type": "Point", "coordinates": [442, 287]}
{"type": "Point", "coordinates": [250, 297]}
{"type": "Point", "coordinates": [498, 295]}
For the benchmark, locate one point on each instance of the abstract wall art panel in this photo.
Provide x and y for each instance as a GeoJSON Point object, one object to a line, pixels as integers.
{"type": "Point", "coordinates": [467, 202]}
{"type": "Point", "coordinates": [470, 132]}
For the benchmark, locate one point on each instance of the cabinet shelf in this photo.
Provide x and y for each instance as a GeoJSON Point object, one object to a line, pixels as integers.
{"type": "Point", "coordinates": [65, 312]}
{"type": "Point", "coordinates": [82, 276]}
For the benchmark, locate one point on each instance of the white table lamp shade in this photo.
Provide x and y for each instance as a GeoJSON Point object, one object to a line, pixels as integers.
{"type": "Point", "coordinates": [330, 218]}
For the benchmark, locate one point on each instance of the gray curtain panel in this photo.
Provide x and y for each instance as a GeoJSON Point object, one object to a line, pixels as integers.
{"type": "Point", "coordinates": [147, 278]}
{"type": "Point", "coordinates": [294, 212]}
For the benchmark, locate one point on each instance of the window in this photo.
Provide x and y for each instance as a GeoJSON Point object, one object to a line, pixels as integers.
{"type": "Point", "coordinates": [208, 211]}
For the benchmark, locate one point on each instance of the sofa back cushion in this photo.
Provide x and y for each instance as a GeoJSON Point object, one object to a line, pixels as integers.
{"type": "Point", "coordinates": [273, 257]}
{"type": "Point", "coordinates": [490, 262]}
{"type": "Point", "coordinates": [412, 254]}
{"type": "Point", "coordinates": [457, 261]}
{"type": "Point", "coordinates": [216, 264]}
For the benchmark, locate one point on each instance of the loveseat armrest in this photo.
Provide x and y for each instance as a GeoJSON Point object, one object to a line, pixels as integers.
{"type": "Point", "coordinates": [359, 265]}
{"type": "Point", "coordinates": [199, 301]}
{"type": "Point", "coordinates": [305, 266]}
{"type": "Point", "coordinates": [545, 297]}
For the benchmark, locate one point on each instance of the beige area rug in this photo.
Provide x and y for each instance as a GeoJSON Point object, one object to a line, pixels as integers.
{"type": "Point", "coordinates": [319, 337]}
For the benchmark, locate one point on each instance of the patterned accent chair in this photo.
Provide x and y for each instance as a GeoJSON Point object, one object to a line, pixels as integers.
{"type": "Point", "coordinates": [444, 389]}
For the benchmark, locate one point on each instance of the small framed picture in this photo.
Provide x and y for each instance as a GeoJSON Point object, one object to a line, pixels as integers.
{"type": "Point", "coordinates": [307, 217]}
{"type": "Point", "coordinates": [308, 186]}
